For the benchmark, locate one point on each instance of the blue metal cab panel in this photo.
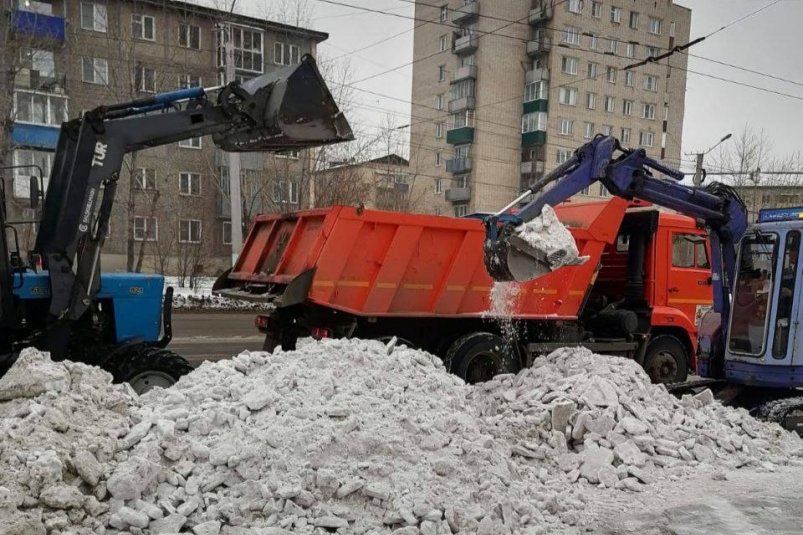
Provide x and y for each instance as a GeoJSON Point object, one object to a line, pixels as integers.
{"type": "Point", "coordinates": [38, 25]}
{"type": "Point", "coordinates": [137, 299]}
{"type": "Point", "coordinates": [35, 135]}
{"type": "Point", "coordinates": [760, 374]}
{"type": "Point", "coordinates": [767, 215]}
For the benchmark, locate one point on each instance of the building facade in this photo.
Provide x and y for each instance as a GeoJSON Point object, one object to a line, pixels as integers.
{"type": "Point", "coordinates": [504, 91]}
{"type": "Point", "coordinates": [172, 211]}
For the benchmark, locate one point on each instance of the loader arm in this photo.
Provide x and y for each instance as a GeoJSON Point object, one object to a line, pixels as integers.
{"type": "Point", "coordinates": [289, 109]}
{"type": "Point", "coordinates": [629, 175]}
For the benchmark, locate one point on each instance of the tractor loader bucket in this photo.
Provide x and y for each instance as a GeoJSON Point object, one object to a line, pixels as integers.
{"type": "Point", "coordinates": [289, 109]}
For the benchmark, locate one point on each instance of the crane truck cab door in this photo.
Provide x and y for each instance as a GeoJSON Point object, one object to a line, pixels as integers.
{"type": "Point", "coordinates": [688, 279]}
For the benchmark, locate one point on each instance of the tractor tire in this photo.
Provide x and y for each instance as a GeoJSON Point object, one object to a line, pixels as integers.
{"type": "Point", "coordinates": [149, 367]}
{"type": "Point", "coordinates": [479, 357]}
{"type": "Point", "coordinates": [666, 360]}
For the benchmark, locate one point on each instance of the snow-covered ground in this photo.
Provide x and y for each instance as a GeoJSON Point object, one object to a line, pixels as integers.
{"type": "Point", "coordinates": [363, 438]}
{"type": "Point", "coordinates": [201, 298]}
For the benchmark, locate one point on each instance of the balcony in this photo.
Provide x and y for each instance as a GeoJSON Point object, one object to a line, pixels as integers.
{"type": "Point", "coordinates": [536, 137]}
{"type": "Point", "coordinates": [540, 14]}
{"type": "Point", "coordinates": [466, 13]}
{"type": "Point", "coordinates": [36, 81]}
{"type": "Point", "coordinates": [458, 165]}
{"type": "Point", "coordinates": [539, 46]}
{"type": "Point", "coordinates": [463, 103]}
{"type": "Point", "coordinates": [35, 136]}
{"type": "Point", "coordinates": [44, 27]}
{"type": "Point", "coordinates": [537, 75]}
{"type": "Point", "coordinates": [536, 105]}
{"type": "Point", "coordinates": [466, 44]}
{"type": "Point", "coordinates": [458, 194]}
{"type": "Point", "coordinates": [399, 187]}
{"type": "Point", "coordinates": [464, 73]}
{"type": "Point", "coordinates": [528, 168]}
{"type": "Point", "coordinates": [459, 136]}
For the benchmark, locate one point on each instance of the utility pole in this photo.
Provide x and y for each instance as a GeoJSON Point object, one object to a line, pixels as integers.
{"type": "Point", "coordinates": [234, 157]}
{"type": "Point", "coordinates": [699, 172]}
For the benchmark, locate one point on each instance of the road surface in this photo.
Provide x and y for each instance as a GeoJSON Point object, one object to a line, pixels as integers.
{"type": "Point", "coordinates": [199, 336]}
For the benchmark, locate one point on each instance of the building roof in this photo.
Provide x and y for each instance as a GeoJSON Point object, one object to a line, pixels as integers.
{"type": "Point", "coordinates": [389, 159]}
{"type": "Point", "coordinates": [245, 13]}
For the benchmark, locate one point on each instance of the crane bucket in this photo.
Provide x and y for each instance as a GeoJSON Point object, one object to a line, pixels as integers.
{"type": "Point", "coordinates": [289, 109]}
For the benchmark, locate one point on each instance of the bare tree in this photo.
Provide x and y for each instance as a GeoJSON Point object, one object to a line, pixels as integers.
{"type": "Point", "coordinates": [750, 151]}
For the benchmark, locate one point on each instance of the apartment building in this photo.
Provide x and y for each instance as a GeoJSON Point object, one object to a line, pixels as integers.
{"type": "Point", "coordinates": [382, 183]}
{"type": "Point", "coordinates": [505, 91]}
{"type": "Point", "coordinates": [173, 210]}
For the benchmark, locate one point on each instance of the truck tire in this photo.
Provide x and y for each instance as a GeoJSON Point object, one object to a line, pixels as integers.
{"type": "Point", "coordinates": [666, 360]}
{"type": "Point", "coordinates": [479, 357]}
{"type": "Point", "coordinates": [148, 368]}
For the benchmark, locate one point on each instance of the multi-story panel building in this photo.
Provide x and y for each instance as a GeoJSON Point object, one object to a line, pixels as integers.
{"type": "Point", "coordinates": [172, 211]}
{"type": "Point", "coordinates": [505, 91]}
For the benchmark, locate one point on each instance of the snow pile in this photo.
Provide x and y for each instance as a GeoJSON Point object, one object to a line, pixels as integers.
{"type": "Point", "coordinates": [214, 302]}
{"type": "Point", "coordinates": [547, 236]}
{"type": "Point", "coordinates": [60, 424]}
{"type": "Point", "coordinates": [361, 438]}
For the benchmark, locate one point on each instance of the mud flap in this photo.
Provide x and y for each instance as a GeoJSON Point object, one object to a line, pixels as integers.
{"type": "Point", "coordinates": [298, 289]}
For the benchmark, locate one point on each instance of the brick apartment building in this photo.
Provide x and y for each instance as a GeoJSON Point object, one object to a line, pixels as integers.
{"type": "Point", "coordinates": [504, 91]}
{"type": "Point", "coordinates": [172, 210]}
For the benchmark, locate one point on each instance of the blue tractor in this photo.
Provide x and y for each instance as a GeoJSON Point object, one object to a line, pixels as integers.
{"type": "Point", "coordinates": [55, 297]}
{"type": "Point", "coordinates": [750, 349]}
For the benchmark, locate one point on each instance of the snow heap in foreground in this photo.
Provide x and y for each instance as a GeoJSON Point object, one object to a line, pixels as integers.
{"type": "Point", "coordinates": [343, 436]}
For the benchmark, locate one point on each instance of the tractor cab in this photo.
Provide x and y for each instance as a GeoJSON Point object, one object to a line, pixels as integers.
{"type": "Point", "coordinates": [762, 347]}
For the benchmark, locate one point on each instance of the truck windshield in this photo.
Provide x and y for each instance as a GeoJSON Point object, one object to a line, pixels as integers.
{"type": "Point", "coordinates": [752, 292]}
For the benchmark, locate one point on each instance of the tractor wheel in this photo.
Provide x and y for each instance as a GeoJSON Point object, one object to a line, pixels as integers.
{"type": "Point", "coordinates": [666, 360]}
{"type": "Point", "coordinates": [148, 368]}
{"type": "Point", "coordinates": [479, 357]}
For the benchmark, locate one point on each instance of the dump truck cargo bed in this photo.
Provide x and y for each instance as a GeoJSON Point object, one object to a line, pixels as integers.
{"type": "Point", "coordinates": [376, 263]}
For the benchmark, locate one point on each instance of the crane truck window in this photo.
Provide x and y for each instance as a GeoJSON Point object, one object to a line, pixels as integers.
{"type": "Point", "coordinates": [752, 294]}
{"type": "Point", "coordinates": [783, 313]}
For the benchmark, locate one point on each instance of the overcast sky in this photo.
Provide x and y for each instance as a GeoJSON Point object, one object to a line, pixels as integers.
{"type": "Point", "coordinates": [769, 42]}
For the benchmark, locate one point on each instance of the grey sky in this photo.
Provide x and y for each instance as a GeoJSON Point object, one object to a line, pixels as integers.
{"type": "Point", "coordinates": [769, 42]}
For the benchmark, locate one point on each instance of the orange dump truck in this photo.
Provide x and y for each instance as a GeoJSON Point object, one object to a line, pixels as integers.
{"type": "Point", "coordinates": [342, 272]}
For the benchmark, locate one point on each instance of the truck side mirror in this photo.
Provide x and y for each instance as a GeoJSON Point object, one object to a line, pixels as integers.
{"type": "Point", "coordinates": [35, 192]}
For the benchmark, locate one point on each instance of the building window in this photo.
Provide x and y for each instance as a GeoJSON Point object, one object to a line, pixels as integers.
{"type": "Point", "coordinates": [655, 25]}
{"type": "Point", "coordinates": [460, 210]}
{"type": "Point", "coordinates": [439, 130]}
{"type": "Point", "coordinates": [438, 158]}
{"type": "Point", "coordinates": [672, 29]}
{"type": "Point", "coordinates": [593, 42]}
{"type": "Point", "coordinates": [438, 185]}
{"type": "Point", "coordinates": [568, 96]}
{"type": "Point", "coordinates": [190, 143]}
{"type": "Point", "coordinates": [39, 108]}
{"type": "Point", "coordinates": [95, 70]}
{"type": "Point", "coordinates": [444, 13]}
{"type": "Point", "coordinates": [535, 91]}
{"type": "Point", "coordinates": [627, 107]}
{"type": "Point", "coordinates": [188, 80]}
{"type": "Point", "coordinates": [648, 112]}
{"type": "Point", "coordinates": [189, 183]}
{"type": "Point", "coordinates": [285, 191]}
{"type": "Point", "coordinates": [569, 65]}
{"type": "Point", "coordinates": [146, 228]}
{"type": "Point", "coordinates": [288, 154]}
{"type": "Point", "coordinates": [285, 54]}
{"type": "Point", "coordinates": [189, 36]}
{"type": "Point", "coordinates": [610, 74]}
{"type": "Point", "coordinates": [571, 35]}
{"type": "Point", "coordinates": [565, 127]}
{"type": "Point", "coordinates": [634, 20]}
{"type": "Point", "coordinates": [613, 46]}
{"type": "Point", "coordinates": [591, 101]}
{"type": "Point", "coordinates": [189, 231]}
{"type": "Point", "coordinates": [461, 89]}
{"type": "Point", "coordinates": [645, 139]}
{"type": "Point", "coordinates": [651, 83]}
{"type": "Point", "coordinates": [616, 15]}
{"type": "Point", "coordinates": [607, 130]}
{"type": "Point", "coordinates": [461, 119]}
{"type": "Point", "coordinates": [443, 43]}
{"type": "Point", "coordinates": [631, 50]}
{"type": "Point", "coordinates": [603, 191]}
{"type": "Point", "coordinates": [42, 62]}
{"type": "Point", "coordinates": [441, 73]}
{"type": "Point", "coordinates": [143, 27]}
{"type": "Point", "coordinates": [93, 17]}
{"type": "Point", "coordinates": [22, 175]}
{"type": "Point", "coordinates": [576, 6]}
{"type": "Point", "coordinates": [145, 178]}
{"type": "Point", "coordinates": [227, 233]}
{"type": "Point", "coordinates": [439, 102]}
{"type": "Point", "coordinates": [563, 156]}
{"type": "Point", "coordinates": [652, 51]}
{"type": "Point", "coordinates": [609, 104]}
{"type": "Point", "coordinates": [625, 135]}
{"type": "Point", "coordinates": [145, 80]}
{"type": "Point", "coordinates": [596, 9]}
{"type": "Point", "coordinates": [629, 78]}
{"type": "Point", "coordinates": [589, 130]}
{"type": "Point", "coordinates": [592, 71]}
{"type": "Point", "coordinates": [248, 49]}
{"type": "Point", "coordinates": [533, 122]}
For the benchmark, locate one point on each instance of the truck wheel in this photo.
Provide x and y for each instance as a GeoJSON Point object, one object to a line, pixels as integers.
{"type": "Point", "coordinates": [479, 357]}
{"type": "Point", "coordinates": [666, 360]}
{"type": "Point", "coordinates": [149, 368]}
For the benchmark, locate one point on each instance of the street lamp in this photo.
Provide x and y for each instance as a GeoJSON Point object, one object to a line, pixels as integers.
{"type": "Point", "coordinates": [699, 172]}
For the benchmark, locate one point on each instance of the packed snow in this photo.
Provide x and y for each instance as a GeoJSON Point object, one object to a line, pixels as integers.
{"type": "Point", "coordinates": [357, 437]}
{"type": "Point", "coordinates": [200, 297]}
